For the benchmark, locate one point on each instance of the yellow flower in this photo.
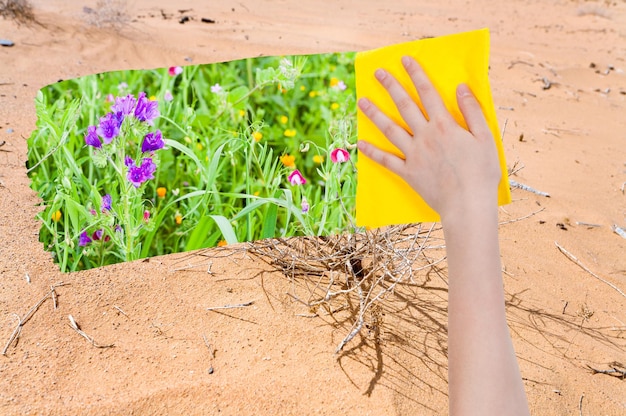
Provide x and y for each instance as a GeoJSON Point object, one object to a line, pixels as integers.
{"type": "Point", "coordinates": [334, 106]}
{"type": "Point", "coordinates": [161, 191]}
{"type": "Point", "coordinates": [288, 160]}
{"type": "Point", "coordinates": [290, 133]}
{"type": "Point", "coordinates": [178, 218]}
{"type": "Point", "coordinates": [319, 159]}
{"type": "Point", "coordinates": [284, 119]}
{"type": "Point", "coordinates": [256, 193]}
{"type": "Point", "coordinates": [302, 88]}
{"type": "Point", "coordinates": [242, 113]}
{"type": "Point", "coordinates": [152, 97]}
{"type": "Point", "coordinates": [334, 81]}
{"type": "Point", "coordinates": [222, 243]}
{"type": "Point", "coordinates": [257, 136]}
{"type": "Point", "coordinates": [56, 216]}
{"type": "Point", "coordinates": [312, 94]}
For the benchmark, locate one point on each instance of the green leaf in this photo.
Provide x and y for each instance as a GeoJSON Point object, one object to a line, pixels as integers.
{"type": "Point", "coordinates": [236, 97]}
{"type": "Point", "coordinates": [226, 228]}
{"type": "Point", "coordinates": [269, 223]}
{"type": "Point", "coordinates": [198, 238]}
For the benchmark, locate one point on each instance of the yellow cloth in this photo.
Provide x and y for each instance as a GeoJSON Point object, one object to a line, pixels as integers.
{"type": "Point", "coordinates": [383, 198]}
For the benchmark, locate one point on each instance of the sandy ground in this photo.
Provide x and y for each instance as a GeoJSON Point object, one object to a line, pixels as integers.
{"type": "Point", "coordinates": [172, 356]}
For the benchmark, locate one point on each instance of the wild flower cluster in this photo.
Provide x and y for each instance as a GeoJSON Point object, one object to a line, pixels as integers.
{"type": "Point", "coordinates": [113, 138]}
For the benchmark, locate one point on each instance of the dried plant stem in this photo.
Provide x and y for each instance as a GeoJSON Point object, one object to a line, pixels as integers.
{"type": "Point", "coordinates": [619, 231]}
{"type": "Point", "coordinates": [240, 305]}
{"type": "Point", "coordinates": [360, 269]}
{"type": "Point", "coordinates": [22, 321]}
{"type": "Point", "coordinates": [582, 266]}
{"type": "Point", "coordinates": [617, 370]}
{"type": "Point", "coordinates": [75, 327]}
{"type": "Point", "coordinates": [522, 218]}
{"type": "Point", "coordinates": [527, 188]}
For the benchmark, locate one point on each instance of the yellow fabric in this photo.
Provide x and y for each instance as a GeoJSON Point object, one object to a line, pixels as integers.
{"type": "Point", "coordinates": [383, 198]}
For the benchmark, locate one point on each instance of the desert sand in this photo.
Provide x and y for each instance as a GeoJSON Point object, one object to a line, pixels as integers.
{"type": "Point", "coordinates": [559, 84]}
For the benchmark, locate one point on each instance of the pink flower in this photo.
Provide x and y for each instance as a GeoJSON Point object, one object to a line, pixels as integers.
{"type": "Point", "coordinates": [216, 89]}
{"type": "Point", "coordinates": [296, 178]}
{"type": "Point", "coordinates": [175, 70]}
{"type": "Point", "coordinates": [146, 215]}
{"type": "Point", "coordinates": [339, 155]}
{"type": "Point", "coordinates": [168, 96]}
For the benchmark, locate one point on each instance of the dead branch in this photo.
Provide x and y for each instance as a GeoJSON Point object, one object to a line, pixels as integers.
{"type": "Point", "coordinates": [240, 305]}
{"type": "Point", "coordinates": [328, 272]}
{"type": "Point", "coordinates": [616, 370]}
{"type": "Point", "coordinates": [582, 266]}
{"type": "Point", "coordinates": [75, 327]}
{"type": "Point", "coordinates": [22, 321]}
{"type": "Point", "coordinates": [527, 188]}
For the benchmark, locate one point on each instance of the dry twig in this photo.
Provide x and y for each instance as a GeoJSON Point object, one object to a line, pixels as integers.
{"type": "Point", "coordinates": [19, 10]}
{"type": "Point", "coordinates": [240, 305]}
{"type": "Point", "coordinates": [361, 267]}
{"type": "Point", "coordinates": [22, 321]}
{"type": "Point", "coordinates": [616, 370]}
{"type": "Point", "coordinates": [523, 187]}
{"type": "Point", "coordinates": [582, 266]}
{"type": "Point", "coordinates": [75, 327]}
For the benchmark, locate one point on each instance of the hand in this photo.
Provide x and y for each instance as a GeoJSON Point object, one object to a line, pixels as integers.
{"type": "Point", "coordinates": [450, 167]}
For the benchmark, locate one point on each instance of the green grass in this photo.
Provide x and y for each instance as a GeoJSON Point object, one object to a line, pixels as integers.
{"type": "Point", "coordinates": [233, 133]}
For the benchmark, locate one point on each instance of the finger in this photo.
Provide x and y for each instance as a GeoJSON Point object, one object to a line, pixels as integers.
{"type": "Point", "coordinates": [431, 100]}
{"type": "Point", "coordinates": [407, 107]}
{"type": "Point", "coordinates": [472, 112]}
{"type": "Point", "coordinates": [385, 159]}
{"type": "Point", "coordinates": [396, 134]}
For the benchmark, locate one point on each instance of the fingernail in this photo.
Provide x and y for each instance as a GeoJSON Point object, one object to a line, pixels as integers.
{"type": "Point", "coordinates": [364, 103]}
{"type": "Point", "coordinates": [380, 74]}
{"type": "Point", "coordinates": [406, 61]}
{"type": "Point", "coordinates": [463, 90]}
{"type": "Point", "coordinates": [361, 144]}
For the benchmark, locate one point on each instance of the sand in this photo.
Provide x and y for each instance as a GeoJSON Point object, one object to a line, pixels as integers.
{"type": "Point", "coordinates": [172, 356]}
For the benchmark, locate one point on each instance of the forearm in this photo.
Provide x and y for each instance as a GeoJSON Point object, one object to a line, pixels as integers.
{"type": "Point", "coordinates": [484, 377]}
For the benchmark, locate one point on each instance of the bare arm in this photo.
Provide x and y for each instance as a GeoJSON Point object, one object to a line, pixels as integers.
{"type": "Point", "coordinates": [457, 173]}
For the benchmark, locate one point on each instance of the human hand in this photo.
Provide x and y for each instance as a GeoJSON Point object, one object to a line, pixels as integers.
{"type": "Point", "coordinates": [450, 167]}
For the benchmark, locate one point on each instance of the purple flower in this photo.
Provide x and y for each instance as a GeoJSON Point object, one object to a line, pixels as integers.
{"type": "Point", "coordinates": [152, 142]}
{"type": "Point", "coordinates": [124, 105]}
{"type": "Point", "coordinates": [109, 126]}
{"type": "Point", "coordinates": [216, 89]}
{"type": "Point", "coordinates": [91, 138]}
{"type": "Point", "coordinates": [339, 155]}
{"type": "Point", "coordinates": [106, 203]}
{"type": "Point", "coordinates": [341, 86]}
{"type": "Point", "coordinates": [305, 205]}
{"type": "Point", "coordinates": [97, 235]}
{"type": "Point", "coordinates": [84, 239]}
{"type": "Point", "coordinates": [168, 96]}
{"type": "Point", "coordinates": [140, 174]}
{"type": "Point", "coordinates": [146, 110]}
{"type": "Point", "coordinates": [128, 161]}
{"type": "Point", "coordinates": [296, 178]}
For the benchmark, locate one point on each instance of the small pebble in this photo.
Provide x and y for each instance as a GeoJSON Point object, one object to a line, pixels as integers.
{"type": "Point", "coordinates": [9, 130]}
{"type": "Point", "coordinates": [6, 42]}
